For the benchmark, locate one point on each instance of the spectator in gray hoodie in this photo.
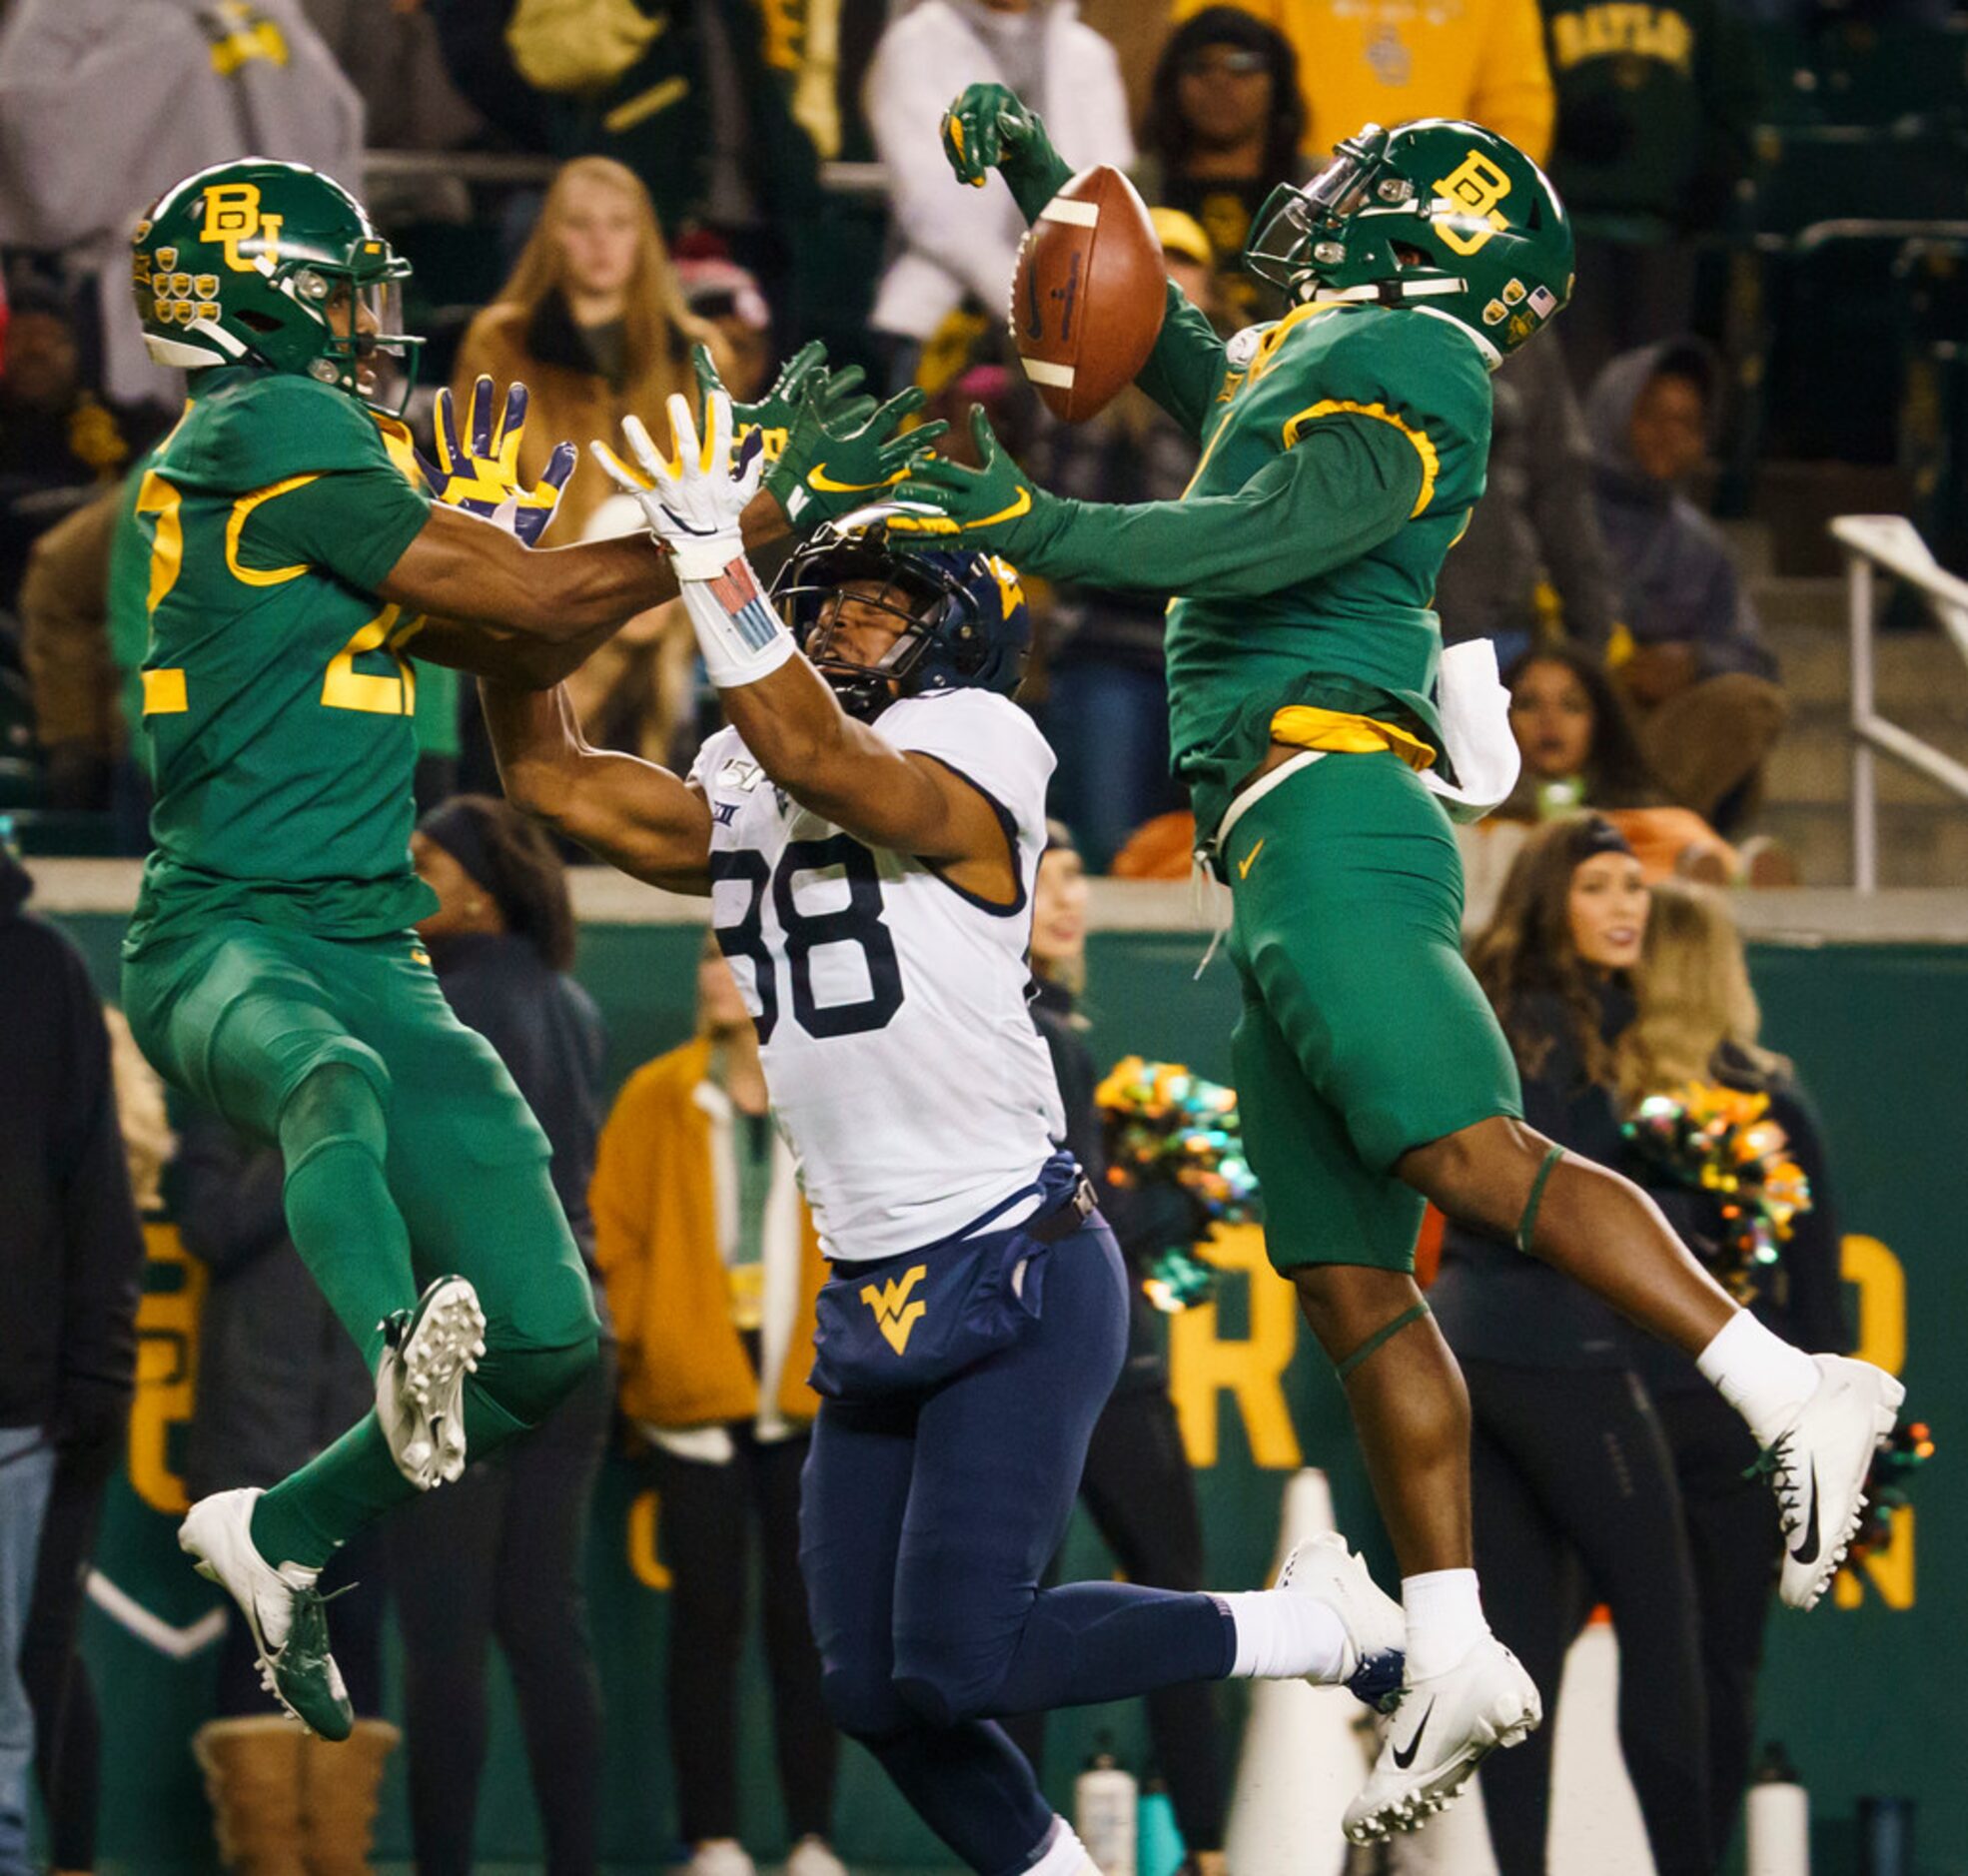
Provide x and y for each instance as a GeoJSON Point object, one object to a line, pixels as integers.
{"type": "Point", "coordinates": [1692, 662]}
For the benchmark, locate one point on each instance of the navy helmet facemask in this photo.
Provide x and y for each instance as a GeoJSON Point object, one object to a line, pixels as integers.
{"type": "Point", "coordinates": [963, 620]}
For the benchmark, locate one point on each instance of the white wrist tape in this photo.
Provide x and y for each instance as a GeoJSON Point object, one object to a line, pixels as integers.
{"type": "Point", "coordinates": [739, 632]}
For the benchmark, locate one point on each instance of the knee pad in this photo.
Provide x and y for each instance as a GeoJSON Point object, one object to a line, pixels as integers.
{"type": "Point", "coordinates": [528, 1383]}
{"type": "Point", "coordinates": [339, 1100]}
{"type": "Point", "coordinates": [864, 1704]}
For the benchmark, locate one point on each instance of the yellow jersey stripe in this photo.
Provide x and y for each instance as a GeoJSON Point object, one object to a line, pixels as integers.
{"type": "Point", "coordinates": [235, 522]}
{"type": "Point", "coordinates": [164, 693]}
{"type": "Point", "coordinates": [1336, 407]}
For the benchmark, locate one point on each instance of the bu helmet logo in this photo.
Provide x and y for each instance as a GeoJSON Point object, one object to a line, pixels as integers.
{"type": "Point", "coordinates": [1475, 187]}
{"type": "Point", "coordinates": [895, 1316]}
{"type": "Point", "coordinates": [232, 217]}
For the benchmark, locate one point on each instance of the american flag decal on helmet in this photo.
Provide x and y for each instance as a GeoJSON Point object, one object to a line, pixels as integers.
{"type": "Point", "coordinates": [740, 596]}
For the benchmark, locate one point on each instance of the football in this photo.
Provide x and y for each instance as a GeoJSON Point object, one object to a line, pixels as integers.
{"type": "Point", "coordinates": [1088, 294]}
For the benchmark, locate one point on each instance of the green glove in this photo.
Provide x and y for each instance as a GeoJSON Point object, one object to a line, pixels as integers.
{"type": "Point", "coordinates": [842, 452]}
{"type": "Point", "coordinates": [995, 508]}
{"type": "Point", "coordinates": [776, 413]}
{"type": "Point", "coordinates": [989, 128]}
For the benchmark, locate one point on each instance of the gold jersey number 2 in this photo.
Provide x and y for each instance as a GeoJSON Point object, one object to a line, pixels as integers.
{"type": "Point", "coordinates": [379, 693]}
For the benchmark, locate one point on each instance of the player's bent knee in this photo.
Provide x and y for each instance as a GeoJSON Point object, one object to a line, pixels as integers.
{"type": "Point", "coordinates": [865, 1703]}
{"type": "Point", "coordinates": [340, 1097]}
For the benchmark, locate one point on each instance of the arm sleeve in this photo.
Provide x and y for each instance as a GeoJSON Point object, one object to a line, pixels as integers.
{"type": "Point", "coordinates": [1188, 366]}
{"type": "Point", "coordinates": [1348, 485]}
{"type": "Point", "coordinates": [353, 522]}
{"type": "Point", "coordinates": [1513, 94]}
{"type": "Point", "coordinates": [103, 1247]}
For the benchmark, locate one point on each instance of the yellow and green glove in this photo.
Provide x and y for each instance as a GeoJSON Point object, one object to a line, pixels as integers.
{"type": "Point", "coordinates": [996, 507]}
{"type": "Point", "coordinates": [989, 126]}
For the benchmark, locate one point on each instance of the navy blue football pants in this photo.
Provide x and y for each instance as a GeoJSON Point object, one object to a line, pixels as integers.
{"type": "Point", "coordinates": [926, 1522]}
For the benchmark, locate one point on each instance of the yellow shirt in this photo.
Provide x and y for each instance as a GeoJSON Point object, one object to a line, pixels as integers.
{"type": "Point", "coordinates": [1386, 61]}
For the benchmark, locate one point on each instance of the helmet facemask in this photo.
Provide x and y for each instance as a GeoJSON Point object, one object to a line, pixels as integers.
{"type": "Point", "coordinates": [366, 349]}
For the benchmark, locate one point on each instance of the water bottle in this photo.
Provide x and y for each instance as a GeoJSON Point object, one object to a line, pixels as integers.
{"type": "Point", "coordinates": [1103, 1800]}
{"type": "Point", "coordinates": [1779, 1819]}
{"type": "Point", "coordinates": [1159, 1848]}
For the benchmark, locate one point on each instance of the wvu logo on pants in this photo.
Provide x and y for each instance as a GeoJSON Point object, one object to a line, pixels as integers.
{"type": "Point", "coordinates": [895, 1315]}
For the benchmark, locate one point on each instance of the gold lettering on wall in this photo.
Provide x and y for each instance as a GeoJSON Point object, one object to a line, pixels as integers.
{"type": "Point", "coordinates": [1250, 1369]}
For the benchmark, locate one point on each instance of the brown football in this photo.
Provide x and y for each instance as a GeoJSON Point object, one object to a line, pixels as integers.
{"type": "Point", "coordinates": [1088, 294]}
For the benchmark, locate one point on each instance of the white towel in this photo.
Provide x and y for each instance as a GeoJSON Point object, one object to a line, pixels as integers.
{"type": "Point", "coordinates": [1474, 709]}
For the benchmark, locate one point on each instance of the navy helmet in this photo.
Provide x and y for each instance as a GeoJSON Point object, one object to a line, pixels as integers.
{"type": "Point", "coordinates": [965, 624]}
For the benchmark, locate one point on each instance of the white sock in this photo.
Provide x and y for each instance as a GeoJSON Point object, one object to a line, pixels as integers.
{"type": "Point", "coordinates": [1063, 1853]}
{"type": "Point", "coordinates": [1445, 1620]}
{"type": "Point", "coordinates": [1758, 1373]}
{"type": "Point", "coordinates": [1284, 1634]}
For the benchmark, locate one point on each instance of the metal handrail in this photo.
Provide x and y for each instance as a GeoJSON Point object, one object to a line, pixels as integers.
{"type": "Point", "coordinates": [1889, 543]}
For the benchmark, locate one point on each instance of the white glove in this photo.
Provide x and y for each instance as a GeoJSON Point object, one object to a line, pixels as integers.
{"type": "Point", "coordinates": [694, 500]}
{"type": "Point", "coordinates": [693, 503]}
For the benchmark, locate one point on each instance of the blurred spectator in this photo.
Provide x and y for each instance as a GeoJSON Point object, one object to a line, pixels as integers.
{"type": "Point", "coordinates": [1575, 1493]}
{"type": "Point", "coordinates": [1383, 65]}
{"type": "Point", "coordinates": [1223, 128]}
{"type": "Point", "coordinates": [1105, 710]}
{"type": "Point", "coordinates": [57, 438]}
{"type": "Point", "coordinates": [712, 1266]}
{"type": "Point", "coordinates": [592, 322]}
{"type": "Point", "coordinates": [498, 1554]}
{"type": "Point", "coordinates": [390, 50]}
{"type": "Point", "coordinates": [165, 88]}
{"type": "Point", "coordinates": [948, 241]}
{"type": "Point", "coordinates": [64, 614]}
{"type": "Point", "coordinates": [1533, 546]}
{"type": "Point", "coordinates": [71, 1261]}
{"type": "Point", "coordinates": [277, 1382]}
{"type": "Point", "coordinates": [1138, 1483]}
{"type": "Point", "coordinates": [1692, 664]}
{"type": "Point", "coordinates": [1698, 1022]}
{"type": "Point", "coordinates": [1655, 113]}
{"type": "Point", "coordinates": [67, 1730]}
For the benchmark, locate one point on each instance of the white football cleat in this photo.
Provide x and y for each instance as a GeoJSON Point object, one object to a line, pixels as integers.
{"type": "Point", "coordinates": [419, 1380]}
{"type": "Point", "coordinates": [283, 1609]}
{"type": "Point", "coordinates": [1817, 1465]}
{"type": "Point", "coordinates": [1376, 1630]}
{"type": "Point", "coordinates": [1445, 1727]}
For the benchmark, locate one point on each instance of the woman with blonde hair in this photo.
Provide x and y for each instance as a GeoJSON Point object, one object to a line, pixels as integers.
{"type": "Point", "coordinates": [592, 322]}
{"type": "Point", "coordinates": [1697, 1021]}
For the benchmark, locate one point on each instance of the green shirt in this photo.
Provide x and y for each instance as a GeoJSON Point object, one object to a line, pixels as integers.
{"type": "Point", "coordinates": [278, 709]}
{"type": "Point", "coordinates": [1342, 453]}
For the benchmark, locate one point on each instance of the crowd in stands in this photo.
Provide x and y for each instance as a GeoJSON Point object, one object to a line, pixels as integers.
{"type": "Point", "coordinates": [589, 187]}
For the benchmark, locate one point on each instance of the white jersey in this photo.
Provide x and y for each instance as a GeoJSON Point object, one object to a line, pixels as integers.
{"type": "Point", "coordinates": [899, 1050]}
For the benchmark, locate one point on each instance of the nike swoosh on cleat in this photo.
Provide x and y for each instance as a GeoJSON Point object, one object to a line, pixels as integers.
{"type": "Point", "coordinates": [1405, 1759]}
{"type": "Point", "coordinates": [1807, 1551]}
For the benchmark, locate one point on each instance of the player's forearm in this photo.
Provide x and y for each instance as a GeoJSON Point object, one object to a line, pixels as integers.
{"type": "Point", "coordinates": [1188, 366]}
{"type": "Point", "coordinates": [1340, 493]}
{"type": "Point", "coordinates": [631, 813]}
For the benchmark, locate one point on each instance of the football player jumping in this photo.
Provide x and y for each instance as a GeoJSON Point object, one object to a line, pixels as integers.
{"type": "Point", "coordinates": [270, 969]}
{"type": "Point", "coordinates": [1318, 730]}
{"type": "Point", "coordinates": [868, 828]}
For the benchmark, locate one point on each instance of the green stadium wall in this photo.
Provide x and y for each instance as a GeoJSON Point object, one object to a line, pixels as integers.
{"type": "Point", "coordinates": [1868, 1696]}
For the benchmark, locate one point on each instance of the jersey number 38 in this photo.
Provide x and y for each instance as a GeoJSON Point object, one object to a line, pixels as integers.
{"type": "Point", "coordinates": [858, 922]}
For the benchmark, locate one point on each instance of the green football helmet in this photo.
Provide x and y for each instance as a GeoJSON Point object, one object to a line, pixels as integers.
{"type": "Point", "coordinates": [1494, 239]}
{"type": "Point", "coordinates": [274, 263]}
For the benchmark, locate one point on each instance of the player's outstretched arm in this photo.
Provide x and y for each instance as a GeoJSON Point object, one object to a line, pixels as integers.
{"type": "Point", "coordinates": [789, 720]}
{"type": "Point", "coordinates": [1341, 488]}
{"type": "Point", "coordinates": [642, 818]}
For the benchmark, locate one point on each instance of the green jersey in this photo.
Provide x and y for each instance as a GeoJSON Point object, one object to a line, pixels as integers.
{"type": "Point", "coordinates": [1357, 637]}
{"type": "Point", "coordinates": [278, 708]}
{"type": "Point", "coordinates": [1343, 448]}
